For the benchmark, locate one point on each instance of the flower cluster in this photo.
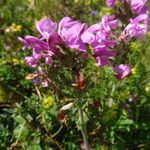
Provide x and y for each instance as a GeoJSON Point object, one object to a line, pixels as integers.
{"type": "Point", "coordinates": [14, 28]}
{"type": "Point", "coordinates": [101, 37]}
{"type": "Point", "coordinates": [137, 6]}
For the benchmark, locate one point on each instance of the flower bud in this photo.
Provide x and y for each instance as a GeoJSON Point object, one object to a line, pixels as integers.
{"type": "Point", "coordinates": [122, 71]}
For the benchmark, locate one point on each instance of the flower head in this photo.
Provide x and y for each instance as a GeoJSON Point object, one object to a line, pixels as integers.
{"type": "Point", "coordinates": [48, 101]}
{"type": "Point", "coordinates": [14, 28]}
{"type": "Point", "coordinates": [46, 27]}
{"type": "Point", "coordinates": [110, 3]}
{"type": "Point", "coordinates": [102, 57]}
{"type": "Point", "coordinates": [122, 71]}
{"type": "Point", "coordinates": [99, 37]}
{"type": "Point", "coordinates": [71, 31]}
{"type": "Point", "coordinates": [39, 48]}
{"type": "Point", "coordinates": [138, 6]}
{"type": "Point", "coordinates": [137, 27]}
{"type": "Point", "coordinates": [34, 43]}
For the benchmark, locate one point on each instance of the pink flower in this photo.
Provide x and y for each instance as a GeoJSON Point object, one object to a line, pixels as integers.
{"type": "Point", "coordinates": [46, 27]}
{"type": "Point", "coordinates": [71, 31]}
{"type": "Point", "coordinates": [137, 27]}
{"type": "Point", "coordinates": [40, 49]}
{"type": "Point", "coordinates": [36, 57]}
{"type": "Point", "coordinates": [99, 37]}
{"type": "Point", "coordinates": [122, 71]}
{"type": "Point", "coordinates": [111, 3]}
{"type": "Point", "coordinates": [137, 6]}
{"type": "Point", "coordinates": [53, 41]}
{"type": "Point", "coordinates": [34, 43]}
{"type": "Point", "coordinates": [109, 23]}
{"type": "Point", "coordinates": [31, 61]}
{"type": "Point", "coordinates": [102, 57]}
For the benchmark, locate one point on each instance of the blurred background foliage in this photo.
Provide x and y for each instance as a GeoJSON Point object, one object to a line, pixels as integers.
{"type": "Point", "coordinates": [119, 111]}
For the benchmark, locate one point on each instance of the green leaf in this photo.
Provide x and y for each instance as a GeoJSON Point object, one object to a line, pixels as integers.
{"type": "Point", "coordinates": [35, 147]}
{"type": "Point", "coordinates": [19, 119]}
{"type": "Point", "coordinates": [21, 132]}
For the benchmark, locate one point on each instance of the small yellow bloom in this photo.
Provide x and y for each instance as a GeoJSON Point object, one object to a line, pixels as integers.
{"type": "Point", "coordinates": [133, 70]}
{"type": "Point", "coordinates": [13, 28]}
{"type": "Point", "coordinates": [48, 101]}
{"type": "Point", "coordinates": [18, 28]}
{"type": "Point", "coordinates": [15, 61]}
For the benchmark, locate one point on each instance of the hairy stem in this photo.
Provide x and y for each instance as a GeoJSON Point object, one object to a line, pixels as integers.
{"type": "Point", "coordinates": [84, 130]}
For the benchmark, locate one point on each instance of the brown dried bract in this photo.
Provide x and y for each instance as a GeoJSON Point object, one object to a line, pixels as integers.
{"type": "Point", "coordinates": [80, 83]}
{"type": "Point", "coordinates": [31, 76]}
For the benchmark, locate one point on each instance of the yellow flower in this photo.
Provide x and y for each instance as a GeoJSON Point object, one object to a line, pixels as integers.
{"type": "Point", "coordinates": [48, 101]}
{"type": "Point", "coordinates": [13, 28]}
{"type": "Point", "coordinates": [18, 28]}
{"type": "Point", "coordinates": [133, 70]}
{"type": "Point", "coordinates": [15, 61]}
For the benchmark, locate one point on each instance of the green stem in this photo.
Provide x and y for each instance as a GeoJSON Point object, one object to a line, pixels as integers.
{"type": "Point", "coordinates": [38, 92]}
{"type": "Point", "coordinates": [84, 130]}
{"type": "Point", "coordinates": [57, 132]}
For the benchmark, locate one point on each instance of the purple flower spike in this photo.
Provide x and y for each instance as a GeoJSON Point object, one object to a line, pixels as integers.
{"type": "Point", "coordinates": [53, 41]}
{"type": "Point", "coordinates": [24, 42]}
{"type": "Point", "coordinates": [102, 57]}
{"type": "Point", "coordinates": [137, 6]}
{"type": "Point", "coordinates": [122, 71]}
{"type": "Point", "coordinates": [110, 3]}
{"type": "Point", "coordinates": [46, 27]}
{"type": "Point", "coordinates": [34, 43]}
{"type": "Point", "coordinates": [99, 35]}
{"type": "Point", "coordinates": [71, 32]}
{"type": "Point", "coordinates": [137, 27]}
{"type": "Point", "coordinates": [31, 61]}
{"type": "Point", "coordinates": [109, 22]}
